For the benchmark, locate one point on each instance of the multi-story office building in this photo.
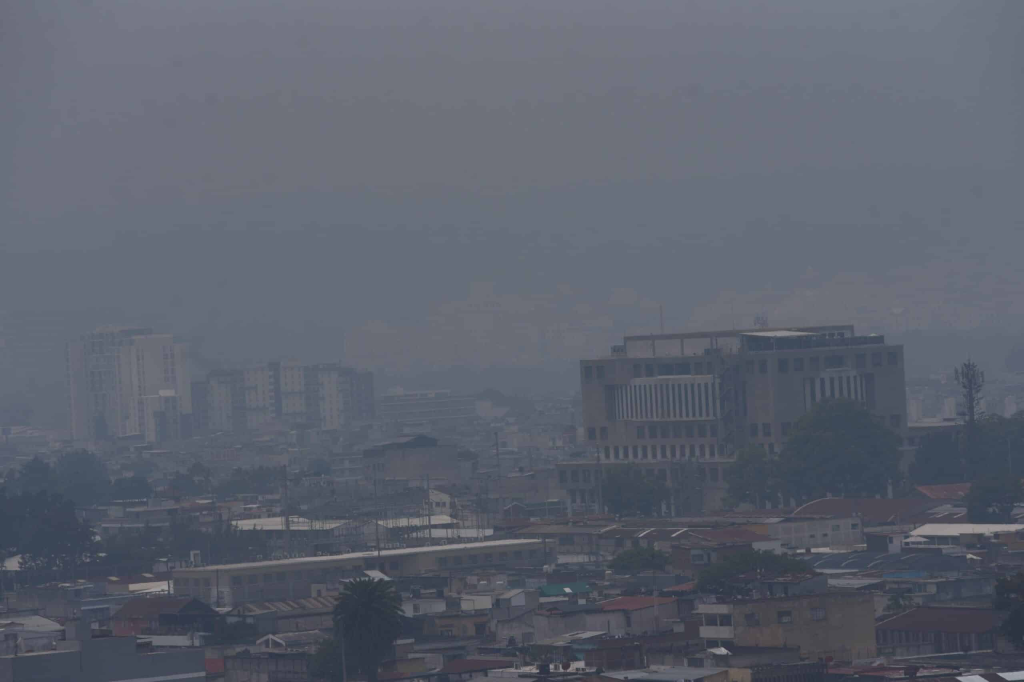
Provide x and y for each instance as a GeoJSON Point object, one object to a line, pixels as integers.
{"type": "Point", "coordinates": [111, 370]}
{"type": "Point", "coordinates": [425, 407]}
{"type": "Point", "coordinates": [681, 405]}
{"type": "Point", "coordinates": [324, 396]}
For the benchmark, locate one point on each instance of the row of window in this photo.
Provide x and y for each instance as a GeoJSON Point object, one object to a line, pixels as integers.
{"type": "Point", "coordinates": [753, 619]}
{"type": "Point", "coordinates": [665, 430]}
{"type": "Point", "coordinates": [813, 363]}
{"type": "Point", "coordinates": [672, 451]}
{"type": "Point", "coordinates": [585, 476]}
{"type": "Point", "coordinates": [488, 558]}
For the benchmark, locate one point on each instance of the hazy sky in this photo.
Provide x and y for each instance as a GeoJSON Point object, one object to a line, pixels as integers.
{"type": "Point", "coordinates": [512, 183]}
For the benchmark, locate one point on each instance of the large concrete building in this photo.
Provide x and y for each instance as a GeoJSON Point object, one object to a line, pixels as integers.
{"type": "Point", "coordinates": [422, 409]}
{"type": "Point", "coordinates": [231, 584]}
{"type": "Point", "coordinates": [111, 373]}
{"type": "Point", "coordinates": [323, 396]}
{"type": "Point", "coordinates": [681, 405]}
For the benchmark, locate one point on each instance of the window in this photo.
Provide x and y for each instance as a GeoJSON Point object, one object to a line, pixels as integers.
{"type": "Point", "coordinates": [785, 428]}
{"type": "Point", "coordinates": [664, 370]}
{"type": "Point", "coordinates": [702, 450]}
{"type": "Point", "coordinates": [604, 433]}
{"type": "Point", "coordinates": [574, 475]}
{"type": "Point", "coordinates": [641, 432]}
{"type": "Point", "coordinates": [253, 579]}
{"type": "Point", "coordinates": [835, 527]}
{"type": "Point", "coordinates": [689, 430]}
{"type": "Point", "coordinates": [442, 562]}
{"type": "Point", "coordinates": [415, 607]}
{"type": "Point", "coordinates": [616, 451]}
{"type": "Point", "coordinates": [698, 368]}
{"type": "Point", "coordinates": [683, 368]}
{"type": "Point", "coordinates": [561, 477]}
{"type": "Point", "coordinates": [588, 373]}
{"type": "Point", "coordinates": [861, 360]}
{"type": "Point", "coordinates": [798, 364]}
{"type": "Point", "coordinates": [586, 475]}
{"type": "Point", "coordinates": [268, 577]}
{"type": "Point", "coordinates": [236, 580]}
{"type": "Point", "coordinates": [815, 363]}
{"type": "Point", "coordinates": [693, 450]}
{"type": "Point", "coordinates": [648, 370]}
{"type": "Point", "coordinates": [643, 452]}
{"type": "Point", "coordinates": [702, 430]}
{"type": "Point", "coordinates": [713, 474]}
{"type": "Point", "coordinates": [473, 558]}
{"type": "Point", "coordinates": [894, 357]}
{"type": "Point", "coordinates": [591, 433]}
{"type": "Point", "coordinates": [834, 361]}
{"type": "Point", "coordinates": [783, 365]}
{"type": "Point", "coordinates": [895, 420]}
{"type": "Point", "coordinates": [753, 430]}
{"type": "Point", "coordinates": [665, 431]}
{"type": "Point", "coordinates": [518, 554]}
{"type": "Point", "coordinates": [766, 430]}
{"type": "Point", "coordinates": [607, 452]}
{"type": "Point", "coordinates": [652, 430]}
{"type": "Point", "coordinates": [854, 526]}
{"type": "Point", "coordinates": [282, 577]}
{"type": "Point", "coordinates": [784, 617]}
{"type": "Point", "coordinates": [600, 371]}
{"type": "Point", "coordinates": [752, 619]}
{"type": "Point", "coordinates": [762, 366]}
{"type": "Point", "coordinates": [664, 451]}
{"type": "Point", "coordinates": [677, 430]}
{"type": "Point", "coordinates": [713, 428]}
{"type": "Point", "coordinates": [817, 614]}
{"type": "Point", "coordinates": [637, 371]}
{"type": "Point", "coordinates": [876, 359]}
{"type": "Point", "coordinates": [674, 452]}
{"type": "Point", "coordinates": [750, 366]}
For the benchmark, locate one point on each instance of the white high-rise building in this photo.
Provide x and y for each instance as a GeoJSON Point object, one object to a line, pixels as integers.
{"type": "Point", "coordinates": [110, 371]}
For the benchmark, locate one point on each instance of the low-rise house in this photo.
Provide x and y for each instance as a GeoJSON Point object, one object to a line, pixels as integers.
{"type": "Point", "coordinates": [23, 633]}
{"type": "Point", "coordinates": [697, 548]}
{"type": "Point", "coordinates": [160, 615]}
{"type": "Point", "coordinates": [837, 624]}
{"type": "Point", "coordinates": [939, 630]}
{"type": "Point", "coordinates": [306, 641]}
{"type": "Point", "coordinates": [293, 615]}
{"type": "Point", "coordinates": [465, 669]}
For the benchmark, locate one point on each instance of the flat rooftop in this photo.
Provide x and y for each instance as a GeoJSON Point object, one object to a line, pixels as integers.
{"type": "Point", "coordinates": [384, 553]}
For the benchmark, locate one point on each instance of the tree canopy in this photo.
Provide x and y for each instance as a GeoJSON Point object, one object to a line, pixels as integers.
{"type": "Point", "coordinates": [367, 620]}
{"type": "Point", "coordinates": [627, 492]}
{"type": "Point", "coordinates": [838, 448]}
{"type": "Point", "coordinates": [1009, 597]}
{"type": "Point", "coordinates": [639, 559]}
{"type": "Point", "coordinates": [992, 498]}
{"type": "Point", "coordinates": [751, 479]}
{"type": "Point", "coordinates": [729, 577]}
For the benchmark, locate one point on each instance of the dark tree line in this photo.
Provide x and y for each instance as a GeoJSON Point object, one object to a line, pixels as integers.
{"type": "Point", "coordinates": [838, 448]}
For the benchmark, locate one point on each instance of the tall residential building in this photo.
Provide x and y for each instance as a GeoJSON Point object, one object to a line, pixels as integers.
{"type": "Point", "coordinates": [324, 396]}
{"type": "Point", "coordinates": [681, 405]}
{"type": "Point", "coordinates": [109, 373]}
{"type": "Point", "coordinates": [424, 408]}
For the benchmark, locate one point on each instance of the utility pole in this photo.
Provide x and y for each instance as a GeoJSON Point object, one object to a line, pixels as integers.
{"type": "Point", "coordinates": [497, 454]}
{"type": "Point", "coordinates": [430, 515]}
{"type": "Point", "coordinates": [287, 518]}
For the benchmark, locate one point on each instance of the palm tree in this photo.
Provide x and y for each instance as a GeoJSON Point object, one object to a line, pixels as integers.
{"type": "Point", "coordinates": [368, 619]}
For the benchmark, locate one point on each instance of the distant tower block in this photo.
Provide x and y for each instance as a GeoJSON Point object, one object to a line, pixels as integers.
{"type": "Point", "coordinates": [915, 409]}
{"type": "Point", "coordinates": [949, 408]}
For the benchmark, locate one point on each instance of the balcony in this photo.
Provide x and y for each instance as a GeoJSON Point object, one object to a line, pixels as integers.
{"type": "Point", "coordinates": [717, 632]}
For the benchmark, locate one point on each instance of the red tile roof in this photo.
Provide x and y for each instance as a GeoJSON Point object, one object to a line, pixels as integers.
{"type": "Point", "coordinates": [945, 619]}
{"type": "Point", "coordinates": [949, 491]}
{"type": "Point", "coordinates": [634, 603]}
{"type": "Point", "coordinates": [682, 587]}
{"type": "Point", "coordinates": [461, 666]}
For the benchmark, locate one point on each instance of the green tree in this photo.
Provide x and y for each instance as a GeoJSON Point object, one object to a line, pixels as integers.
{"type": "Point", "coordinates": [732, 576]}
{"type": "Point", "coordinates": [82, 477]}
{"type": "Point", "coordinates": [992, 498]}
{"type": "Point", "coordinates": [627, 492]}
{"type": "Point", "coordinates": [639, 559]}
{"type": "Point", "coordinates": [1009, 597]}
{"type": "Point", "coordinates": [328, 661]}
{"type": "Point", "coordinates": [34, 476]}
{"type": "Point", "coordinates": [838, 448]}
{"type": "Point", "coordinates": [51, 535]}
{"type": "Point", "coordinates": [971, 380]}
{"type": "Point", "coordinates": [131, 488]}
{"type": "Point", "coordinates": [368, 619]}
{"type": "Point", "coordinates": [938, 460]}
{"type": "Point", "coordinates": [751, 478]}
{"type": "Point", "coordinates": [898, 603]}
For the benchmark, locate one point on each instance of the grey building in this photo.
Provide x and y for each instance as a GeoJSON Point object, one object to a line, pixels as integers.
{"type": "Point", "coordinates": [681, 405]}
{"type": "Point", "coordinates": [84, 658]}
